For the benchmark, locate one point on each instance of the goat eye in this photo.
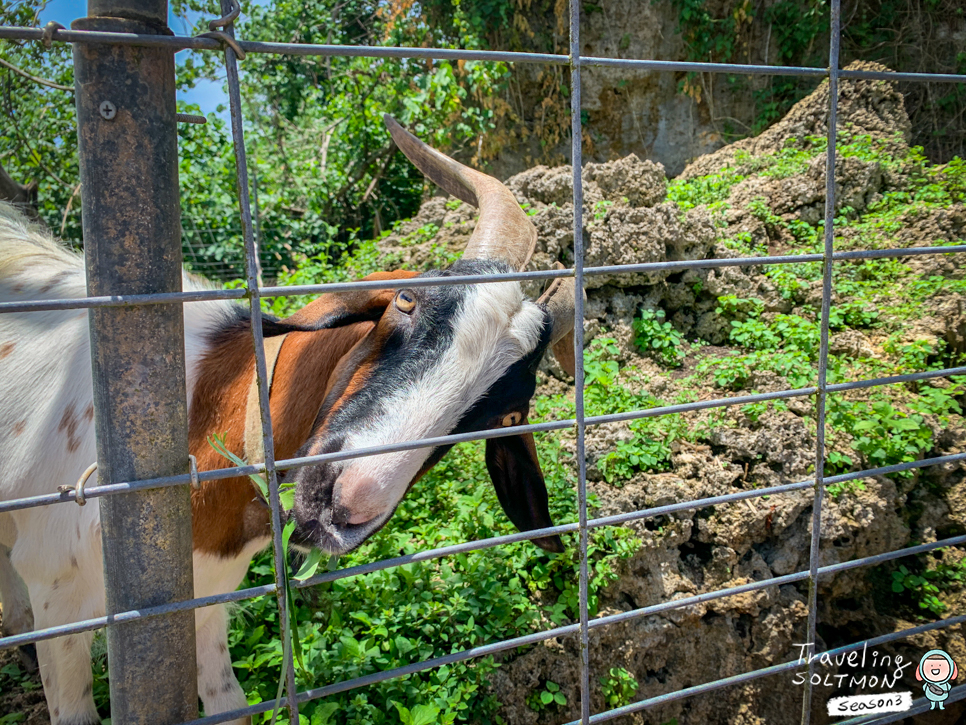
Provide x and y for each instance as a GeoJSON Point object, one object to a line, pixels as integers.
{"type": "Point", "coordinates": [512, 419]}
{"type": "Point", "coordinates": [405, 301]}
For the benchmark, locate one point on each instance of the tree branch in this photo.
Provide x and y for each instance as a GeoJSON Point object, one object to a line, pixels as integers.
{"type": "Point", "coordinates": [35, 79]}
{"type": "Point", "coordinates": [23, 196]}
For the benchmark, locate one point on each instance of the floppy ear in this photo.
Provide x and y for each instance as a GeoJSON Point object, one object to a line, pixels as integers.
{"type": "Point", "coordinates": [563, 350]}
{"type": "Point", "coordinates": [559, 302]}
{"type": "Point", "coordinates": [518, 480]}
{"type": "Point", "coordinates": [337, 309]}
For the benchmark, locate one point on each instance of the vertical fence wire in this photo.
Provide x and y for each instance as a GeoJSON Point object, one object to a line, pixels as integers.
{"type": "Point", "coordinates": [576, 132]}
{"type": "Point", "coordinates": [822, 394]}
{"type": "Point", "coordinates": [261, 375]}
{"type": "Point", "coordinates": [582, 629]}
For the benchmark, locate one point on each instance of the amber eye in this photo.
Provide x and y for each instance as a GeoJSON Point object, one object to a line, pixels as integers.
{"type": "Point", "coordinates": [512, 419]}
{"type": "Point", "coordinates": [405, 301]}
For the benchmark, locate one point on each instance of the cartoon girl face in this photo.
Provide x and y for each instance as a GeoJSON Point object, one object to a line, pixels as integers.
{"type": "Point", "coordinates": [936, 669]}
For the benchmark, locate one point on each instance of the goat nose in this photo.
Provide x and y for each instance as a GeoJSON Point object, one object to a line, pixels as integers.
{"type": "Point", "coordinates": [359, 499]}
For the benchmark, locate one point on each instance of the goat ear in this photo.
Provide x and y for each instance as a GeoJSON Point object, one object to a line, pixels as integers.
{"type": "Point", "coordinates": [343, 308]}
{"type": "Point", "coordinates": [518, 480]}
{"type": "Point", "coordinates": [563, 350]}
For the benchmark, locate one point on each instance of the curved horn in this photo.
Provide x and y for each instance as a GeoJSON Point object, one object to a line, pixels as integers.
{"type": "Point", "coordinates": [559, 300]}
{"type": "Point", "coordinates": [503, 232]}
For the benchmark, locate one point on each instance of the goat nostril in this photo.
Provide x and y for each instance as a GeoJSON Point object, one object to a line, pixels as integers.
{"type": "Point", "coordinates": [341, 516]}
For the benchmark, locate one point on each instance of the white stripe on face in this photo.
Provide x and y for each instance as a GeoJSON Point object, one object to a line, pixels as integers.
{"type": "Point", "coordinates": [494, 327]}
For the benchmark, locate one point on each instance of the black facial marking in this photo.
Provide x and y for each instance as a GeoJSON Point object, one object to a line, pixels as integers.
{"type": "Point", "coordinates": [397, 352]}
{"type": "Point", "coordinates": [420, 339]}
{"type": "Point", "coordinates": [512, 392]}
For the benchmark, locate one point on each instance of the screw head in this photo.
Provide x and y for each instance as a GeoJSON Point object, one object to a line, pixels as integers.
{"type": "Point", "coordinates": [108, 110]}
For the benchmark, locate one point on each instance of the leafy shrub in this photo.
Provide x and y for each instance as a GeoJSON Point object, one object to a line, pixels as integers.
{"type": "Point", "coordinates": [786, 345]}
{"type": "Point", "coordinates": [791, 281]}
{"type": "Point", "coordinates": [883, 434]}
{"type": "Point", "coordinates": [754, 411]}
{"type": "Point", "coordinates": [735, 369]}
{"type": "Point", "coordinates": [618, 687]}
{"type": "Point", "coordinates": [703, 189]}
{"type": "Point", "coordinates": [374, 622]}
{"type": "Point", "coordinates": [914, 356]}
{"type": "Point", "coordinates": [549, 697]}
{"type": "Point", "coordinates": [648, 450]}
{"type": "Point", "coordinates": [659, 338]}
{"type": "Point", "coordinates": [924, 588]}
{"type": "Point", "coordinates": [836, 490]}
{"type": "Point", "coordinates": [852, 314]}
{"type": "Point", "coordinates": [744, 243]}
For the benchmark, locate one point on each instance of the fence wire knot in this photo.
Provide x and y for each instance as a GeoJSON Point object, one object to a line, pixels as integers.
{"type": "Point", "coordinates": [78, 488]}
{"type": "Point", "coordinates": [221, 35]}
{"type": "Point", "coordinates": [49, 30]}
{"type": "Point", "coordinates": [195, 483]}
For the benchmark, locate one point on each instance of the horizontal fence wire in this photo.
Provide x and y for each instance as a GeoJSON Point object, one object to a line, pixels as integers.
{"type": "Point", "coordinates": [536, 275]}
{"type": "Point", "coordinates": [301, 462]}
{"type": "Point", "coordinates": [368, 51]}
{"type": "Point", "coordinates": [767, 671]}
{"type": "Point", "coordinates": [534, 638]}
{"type": "Point", "coordinates": [253, 293]}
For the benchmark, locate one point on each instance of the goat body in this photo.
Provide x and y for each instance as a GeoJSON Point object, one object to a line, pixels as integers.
{"type": "Point", "coordinates": [50, 556]}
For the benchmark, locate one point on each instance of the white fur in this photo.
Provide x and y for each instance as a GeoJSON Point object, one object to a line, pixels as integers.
{"type": "Point", "coordinates": [46, 440]}
{"type": "Point", "coordinates": [495, 327]}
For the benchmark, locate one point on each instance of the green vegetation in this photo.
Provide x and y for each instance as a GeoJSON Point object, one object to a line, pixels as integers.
{"type": "Point", "coordinates": [703, 190]}
{"type": "Point", "coordinates": [391, 618]}
{"type": "Point", "coordinates": [880, 427]}
{"type": "Point", "coordinates": [549, 698]}
{"type": "Point", "coordinates": [740, 31]}
{"type": "Point", "coordinates": [609, 390]}
{"type": "Point", "coordinates": [328, 179]}
{"type": "Point", "coordinates": [922, 589]}
{"type": "Point", "coordinates": [618, 687]}
{"type": "Point", "coordinates": [657, 337]}
{"type": "Point", "coordinates": [329, 190]}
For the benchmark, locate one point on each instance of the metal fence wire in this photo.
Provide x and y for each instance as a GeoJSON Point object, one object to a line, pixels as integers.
{"type": "Point", "coordinates": [224, 40]}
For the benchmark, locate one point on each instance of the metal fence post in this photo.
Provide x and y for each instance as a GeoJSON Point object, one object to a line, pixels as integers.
{"type": "Point", "coordinates": [128, 155]}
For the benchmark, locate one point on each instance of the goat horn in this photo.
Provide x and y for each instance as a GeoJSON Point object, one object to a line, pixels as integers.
{"type": "Point", "coordinates": [503, 231]}
{"type": "Point", "coordinates": [559, 301]}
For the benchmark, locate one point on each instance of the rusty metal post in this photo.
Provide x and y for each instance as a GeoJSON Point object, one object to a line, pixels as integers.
{"type": "Point", "coordinates": [128, 153]}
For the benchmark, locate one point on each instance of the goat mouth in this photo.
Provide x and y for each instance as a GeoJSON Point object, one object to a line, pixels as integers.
{"type": "Point", "coordinates": [334, 539]}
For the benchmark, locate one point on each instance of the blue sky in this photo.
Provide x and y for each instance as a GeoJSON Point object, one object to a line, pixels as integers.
{"type": "Point", "coordinates": [207, 94]}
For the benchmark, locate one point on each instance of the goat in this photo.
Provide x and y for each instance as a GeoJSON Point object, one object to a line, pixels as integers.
{"type": "Point", "coordinates": [353, 370]}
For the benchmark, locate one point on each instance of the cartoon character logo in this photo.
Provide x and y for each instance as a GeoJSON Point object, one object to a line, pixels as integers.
{"type": "Point", "coordinates": [936, 670]}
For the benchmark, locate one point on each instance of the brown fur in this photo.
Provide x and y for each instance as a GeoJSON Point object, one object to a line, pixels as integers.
{"type": "Point", "coordinates": [68, 425]}
{"type": "Point", "coordinates": [229, 513]}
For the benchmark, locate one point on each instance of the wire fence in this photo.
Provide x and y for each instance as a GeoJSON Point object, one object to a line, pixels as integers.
{"type": "Point", "coordinates": [237, 49]}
